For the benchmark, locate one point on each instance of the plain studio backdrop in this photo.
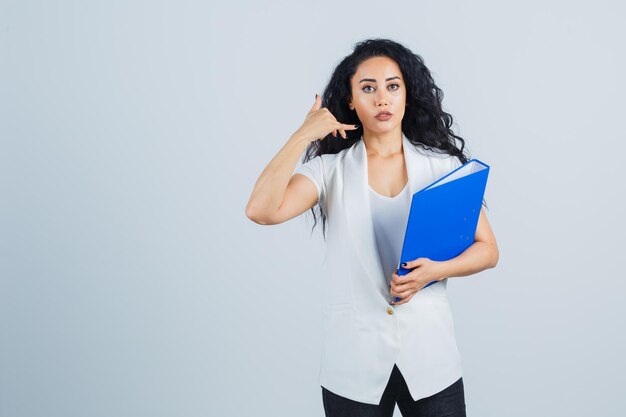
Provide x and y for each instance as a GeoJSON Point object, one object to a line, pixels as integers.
{"type": "Point", "coordinates": [132, 134]}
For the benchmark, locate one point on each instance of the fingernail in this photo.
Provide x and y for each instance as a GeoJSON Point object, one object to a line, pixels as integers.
{"type": "Point", "coordinates": [403, 264]}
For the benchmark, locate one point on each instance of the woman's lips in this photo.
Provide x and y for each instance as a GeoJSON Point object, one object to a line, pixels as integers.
{"type": "Point", "coordinates": [383, 117]}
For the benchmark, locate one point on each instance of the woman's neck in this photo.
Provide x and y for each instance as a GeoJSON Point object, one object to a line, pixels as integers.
{"type": "Point", "coordinates": [383, 145]}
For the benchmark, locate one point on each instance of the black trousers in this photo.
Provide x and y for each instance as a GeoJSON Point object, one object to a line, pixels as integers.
{"type": "Point", "coordinates": [449, 403]}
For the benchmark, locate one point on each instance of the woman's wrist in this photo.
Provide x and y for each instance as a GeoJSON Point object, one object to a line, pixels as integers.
{"type": "Point", "coordinates": [444, 270]}
{"type": "Point", "coordinates": [299, 139]}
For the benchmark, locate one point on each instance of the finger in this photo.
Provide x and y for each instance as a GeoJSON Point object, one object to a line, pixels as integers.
{"type": "Point", "coordinates": [405, 300]}
{"type": "Point", "coordinates": [317, 104]}
{"type": "Point", "coordinates": [395, 299]}
{"type": "Point", "coordinates": [401, 290]}
{"type": "Point", "coordinates": [343, 133]}
{"type": "Point", "coordinates": [393, 290]}
{"type": "Point", "coordinates": [400, 301]}
{"type": "Point", "coordinates": [346, 127]}
{"type": "Point", "coordinates": [400, 280]}
{"type": "Point", "coordinates": [334, 133]}
{"type": "Point", "coordinates": [413, 264]}
{"type": "Point", "coordinates": [405, 293]}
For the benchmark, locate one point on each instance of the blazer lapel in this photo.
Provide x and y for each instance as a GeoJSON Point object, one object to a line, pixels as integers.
{"type": "Point", "coordinates": [356, 201]}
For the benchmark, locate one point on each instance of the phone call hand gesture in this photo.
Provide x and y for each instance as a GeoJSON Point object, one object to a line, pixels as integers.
{"type": "Point", "coordinates": [320, 122]}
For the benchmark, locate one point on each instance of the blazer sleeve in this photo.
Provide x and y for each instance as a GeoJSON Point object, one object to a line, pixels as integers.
{"type": "Point", "coordinates": [314, 170]}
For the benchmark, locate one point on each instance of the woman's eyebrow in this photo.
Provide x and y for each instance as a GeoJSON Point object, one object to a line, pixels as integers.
{"type": "Point", "coordinates": [373, 80]}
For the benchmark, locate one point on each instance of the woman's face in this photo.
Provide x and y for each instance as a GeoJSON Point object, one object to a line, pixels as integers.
{"type": "Point", "coordinates": [378, 85]}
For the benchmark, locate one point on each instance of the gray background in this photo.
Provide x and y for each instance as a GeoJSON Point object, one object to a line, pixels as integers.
{"type": "Point", "coordinates": [132, 134]}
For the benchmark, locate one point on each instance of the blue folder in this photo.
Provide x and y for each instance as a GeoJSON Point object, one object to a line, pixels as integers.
{"type": "Point", "coordinates": [444, 215]}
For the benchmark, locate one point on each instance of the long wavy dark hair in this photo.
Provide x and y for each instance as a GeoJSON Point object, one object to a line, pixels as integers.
{"type": "Point", "coordinates": [425, 124]}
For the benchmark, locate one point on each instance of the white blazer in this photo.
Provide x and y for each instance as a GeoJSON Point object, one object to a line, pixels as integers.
{"type": "Point", "coordinates": [364, 335]}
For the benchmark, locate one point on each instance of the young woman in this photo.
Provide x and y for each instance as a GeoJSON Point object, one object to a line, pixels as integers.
{"type": "Point", "coordinates": [377, 136]}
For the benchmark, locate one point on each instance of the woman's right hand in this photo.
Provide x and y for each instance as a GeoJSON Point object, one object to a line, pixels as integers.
{"type": "Point", "coordinates": [320, 122]}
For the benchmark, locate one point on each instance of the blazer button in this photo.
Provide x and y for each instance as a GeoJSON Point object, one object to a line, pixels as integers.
{"type": "Point", "coordinates": [389, 310]}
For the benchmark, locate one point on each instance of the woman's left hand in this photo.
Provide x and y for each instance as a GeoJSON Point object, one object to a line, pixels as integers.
{"type": "Point", "coordinates": [406, 286]}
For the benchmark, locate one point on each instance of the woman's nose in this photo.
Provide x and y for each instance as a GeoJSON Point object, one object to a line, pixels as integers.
{"type": "Point", "coordinates": [381, 99]}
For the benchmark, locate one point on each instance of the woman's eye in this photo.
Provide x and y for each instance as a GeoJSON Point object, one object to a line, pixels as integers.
{"type": "Point", "coordinates": [390, 85]}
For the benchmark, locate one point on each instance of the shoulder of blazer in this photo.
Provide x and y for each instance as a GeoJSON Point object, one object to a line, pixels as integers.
{"type": "Point", "coordinates": [335, 156]}
{"type": "Point", "coordinates": [429, 152]}
{"type": "Point", "coordinates": [331, 159]}
{"type": "Point", "coordinates": [449, 162]}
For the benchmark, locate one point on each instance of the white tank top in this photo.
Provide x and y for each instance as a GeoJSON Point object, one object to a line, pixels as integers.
{"type": "Point", "coordinates": [390, 216]}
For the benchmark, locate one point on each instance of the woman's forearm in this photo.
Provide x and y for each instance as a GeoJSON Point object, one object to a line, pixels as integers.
{"type": "Point", "coordinates": [477, 257]}
{"type": "Point", "coordinates": [270, 187]}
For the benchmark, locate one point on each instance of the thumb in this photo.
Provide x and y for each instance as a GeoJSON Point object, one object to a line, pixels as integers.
{"type": "Point", "coordinates": [318, 103]}
{"type": "Point", "coordinates": [412, 264]}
